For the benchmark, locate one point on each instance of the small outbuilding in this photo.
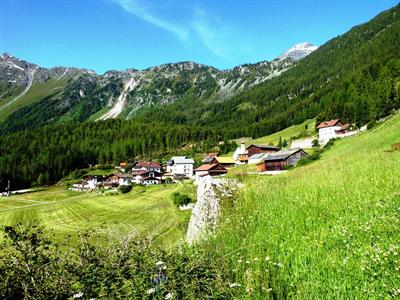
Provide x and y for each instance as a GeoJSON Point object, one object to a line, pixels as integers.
{"type": "Point", "coordinates": [281, 160]}
{"type": "Point", "coordinates": [212, 170]}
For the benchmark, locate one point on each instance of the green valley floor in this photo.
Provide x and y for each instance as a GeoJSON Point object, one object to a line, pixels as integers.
{"type": "Point", "coordinates": [149, 210]}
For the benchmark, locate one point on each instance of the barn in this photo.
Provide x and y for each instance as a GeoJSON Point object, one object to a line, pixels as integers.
{"type": "Point", "coordinates": [281, 160]}
{"type": "Point", "coordinates": [256, 149]}
{"type": "Point", "coordinates": [212, 170]}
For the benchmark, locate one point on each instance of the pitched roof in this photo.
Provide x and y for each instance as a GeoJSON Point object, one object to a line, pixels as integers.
{"type": "Point", "coordinates": [208, 159]}
{"type": "Point", "coordinates": [124, 175]}
{"type": "Point", "coordinates": [282, 155]}
{"type": "Point", "coordinates": [210, 167]}
{"type": "Point", "coordinates": [145, 164]}
{"type": "Point", "coordinates": [257, 156]}
{"type": "Point", "coordinates": [182, 160]}
{"type": "Point", "coordinates": [328, 123]}
{"type": "Point", "coordinates": [265, 147]}
{"type": "Point", "coordinates": [225, 160]}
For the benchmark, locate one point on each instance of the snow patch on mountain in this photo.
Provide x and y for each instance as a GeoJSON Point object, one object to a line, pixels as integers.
{"type": "Point", "coordinates": [299, 51]}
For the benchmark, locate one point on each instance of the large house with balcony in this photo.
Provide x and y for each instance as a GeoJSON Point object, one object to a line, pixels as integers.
{"type": "Point", "coordinates": [181, 166]}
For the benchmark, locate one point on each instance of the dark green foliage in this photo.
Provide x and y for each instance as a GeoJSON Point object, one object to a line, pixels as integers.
{"type": "Point", "coordinates": [315, 156]}
{"type": "Point", "coordinates": [120, 267]}
{"type": "Point", "coordinates": [56, 150]}
{"type": "Point", "coordinates": [180, 199]}
{"type": "Point", "coordinates": [125, 188]}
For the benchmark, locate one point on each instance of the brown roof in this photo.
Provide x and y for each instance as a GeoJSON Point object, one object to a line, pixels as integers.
{"type": "Point", "coordinates": [148, 164]}
{"type": "Point", "coordinates": [328, 123]}
{"type": "Point", "coordinates": [208, 167]}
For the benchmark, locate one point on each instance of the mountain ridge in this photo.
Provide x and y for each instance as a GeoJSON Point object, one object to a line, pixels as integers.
{"type": "Point", "coordinates": [86, 93]}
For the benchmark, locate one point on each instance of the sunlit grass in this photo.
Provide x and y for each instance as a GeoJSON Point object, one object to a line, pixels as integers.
{"type": "Point", "coordinates": [327, 230]}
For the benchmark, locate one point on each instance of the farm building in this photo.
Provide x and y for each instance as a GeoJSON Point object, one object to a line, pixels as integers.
{"type": "Point", "coordinates": [256, 149]}
{"type": "Point", "coordinates": [280, 160]}
{"type": "Point", "coordinates": [212, 170]}
{"type": "Point", "coordinates": [148, 166]}
{"type": "Point", "coordinates": [181, 166]}
{"type": "Point", "coordinates": [226, 162]}
{"type": "Point", "coordinates": [257, 158]}
{"type": "Point", "coordinates": [331, 129]}
{"type": "Point", "coordinates": [210, 160]}
{"type": "Point", "coordinates": [241, 156]}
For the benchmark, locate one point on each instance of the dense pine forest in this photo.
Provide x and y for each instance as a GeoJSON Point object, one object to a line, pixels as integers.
{"type": "Point", "coordinates": [47, 154]}
{"type": "Point", "coordinates": [355, 77]}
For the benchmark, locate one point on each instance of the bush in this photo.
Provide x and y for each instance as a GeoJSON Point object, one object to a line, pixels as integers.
{"type": "Point", "coordinates": [180, 199]}
{"type": "Point", "coordinates": [32, 266]}
{"type": "Point", "coordinates": [125, 188]}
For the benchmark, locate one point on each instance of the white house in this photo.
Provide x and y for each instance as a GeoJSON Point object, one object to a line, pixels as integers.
{"type": "Point", "coordinates": [181, 166]}
{"type": "Point", "coordinates": [146, 177]}
{"type": "Point", "coordinates": [125, 179]}
{"type": "Point", "coordinates": [148, 166]}
{"type": "Point", "coordinates": [330, 130]}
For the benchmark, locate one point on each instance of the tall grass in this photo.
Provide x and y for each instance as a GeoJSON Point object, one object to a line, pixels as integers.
{"type": "Point", "coordinates": [327, 230]}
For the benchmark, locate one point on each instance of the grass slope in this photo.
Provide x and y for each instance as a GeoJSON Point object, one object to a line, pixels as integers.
{"type": "Point", "coordinates": [148, 210]}
{"type": "Point", "coordinates": [37, 92]}
{"type": "Point", "coordinates": [287, 133]}
{"type": "Point", "coordinates": [327, 230]}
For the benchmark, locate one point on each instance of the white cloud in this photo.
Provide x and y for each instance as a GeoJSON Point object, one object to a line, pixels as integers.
{"type": "Point", "coordinates": [209, 29]}
{"type": "Point", "coordinates": [139, 10]}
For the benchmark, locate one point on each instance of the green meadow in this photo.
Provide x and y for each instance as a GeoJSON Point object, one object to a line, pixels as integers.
{"type": "Point", "coordinates": [37, 92]}
{"type": "Point", "coordinates": [147, 210]}
{"type": "Point", "coordinates": [327, 230]}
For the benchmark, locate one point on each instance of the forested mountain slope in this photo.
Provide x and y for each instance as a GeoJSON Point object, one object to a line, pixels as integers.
{"type": "Point", "coordinates": [84, 95]}
{"type": "Point", "coordinates": [355, 76]}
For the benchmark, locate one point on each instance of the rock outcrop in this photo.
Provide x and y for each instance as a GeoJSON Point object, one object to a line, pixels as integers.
{"type": "Point", "coordinates": [210, 194]}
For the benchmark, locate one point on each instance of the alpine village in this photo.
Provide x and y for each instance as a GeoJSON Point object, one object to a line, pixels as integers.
{"type": "Point", "coordinates": [271, 180]}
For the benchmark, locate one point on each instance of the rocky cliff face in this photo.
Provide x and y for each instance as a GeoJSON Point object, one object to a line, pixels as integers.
{"type": "Point", "coordinates": [205, 215]}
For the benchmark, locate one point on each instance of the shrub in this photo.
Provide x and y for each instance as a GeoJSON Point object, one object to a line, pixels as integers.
{"type": "Point", "coordinates": [125, 188]}
{"type": "Point", "coordinates": [180, 199]}
{"type": "Point", "coordinates": [32, 266]}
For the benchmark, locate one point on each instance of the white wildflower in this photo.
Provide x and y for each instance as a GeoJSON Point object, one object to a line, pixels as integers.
{"type": "Point", "coordinates": [233, 285]}
{"type": "Point", "coordinates": [168, 296]}
{"type": "Point", "coordinates": [78, 295]}
{"type": "Point", "coordinates": [159, 263]}
{"type": "Point", "coordinates": [151, 291]}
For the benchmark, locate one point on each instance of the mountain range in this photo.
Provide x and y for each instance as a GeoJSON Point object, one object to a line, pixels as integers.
{"type": "Point", "coordinates": [80, 94]}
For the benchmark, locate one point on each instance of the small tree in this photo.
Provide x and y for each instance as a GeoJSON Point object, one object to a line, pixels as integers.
{"type": "Point", "coordinates": [125, 188]}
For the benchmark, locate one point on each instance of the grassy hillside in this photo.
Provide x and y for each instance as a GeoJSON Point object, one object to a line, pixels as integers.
{"type": "Point", "coordinates": [330, 228]}
{"type": "Point", "coordinates": [148, 210]}
{"type": "Point", "coordinates": [37, 92]}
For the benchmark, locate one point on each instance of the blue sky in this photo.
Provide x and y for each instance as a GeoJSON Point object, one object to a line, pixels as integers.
{"type": "Point", "coordinates": [119, 34]}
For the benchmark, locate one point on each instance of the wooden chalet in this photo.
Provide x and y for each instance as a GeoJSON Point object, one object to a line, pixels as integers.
{"type": "Point", "coordinates": [256, 149]}
{"type": "Point", "coordinates": [280, 160]}
{"type": "Point", "coordinates": [212, 170]}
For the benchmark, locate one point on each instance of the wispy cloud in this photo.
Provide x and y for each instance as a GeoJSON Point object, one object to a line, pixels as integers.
{"type": "Point", "coordinates": [211, 31]}
{"type": "Point", "coordinates": [139, 10]}
{"type": "Point", "coordinates": [213, 39]}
